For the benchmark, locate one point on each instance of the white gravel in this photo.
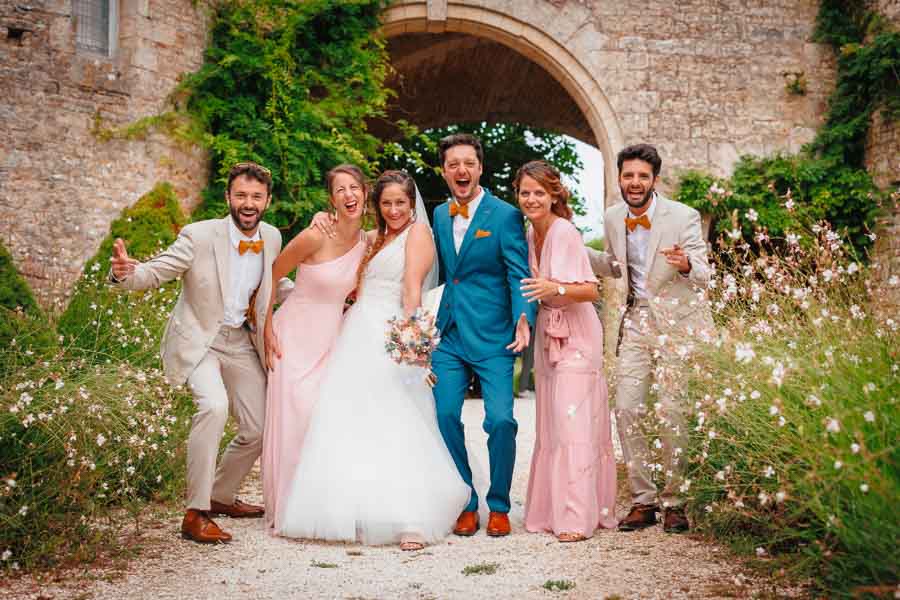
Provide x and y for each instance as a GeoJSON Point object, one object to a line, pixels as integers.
{"type": "Point", "coordinates": [645, 564]}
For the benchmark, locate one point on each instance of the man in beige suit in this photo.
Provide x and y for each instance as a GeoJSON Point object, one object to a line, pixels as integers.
{"type": "Point", "coordinates": [659, 241]}
{"type": "Point", "coordinates": [211, 343]}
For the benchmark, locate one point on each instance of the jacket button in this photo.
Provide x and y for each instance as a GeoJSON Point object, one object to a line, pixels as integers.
{"type": "Point", "coordinates": [455, 281]}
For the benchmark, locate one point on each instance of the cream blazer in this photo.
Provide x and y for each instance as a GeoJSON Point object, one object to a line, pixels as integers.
{"type": "Point", "coordinates": [200, 256]}
{"type": "Point", "coordinates": [677, 302]}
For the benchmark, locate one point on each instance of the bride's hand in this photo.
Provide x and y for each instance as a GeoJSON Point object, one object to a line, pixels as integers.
{"type": "Point", "coordinates": [273, 348]}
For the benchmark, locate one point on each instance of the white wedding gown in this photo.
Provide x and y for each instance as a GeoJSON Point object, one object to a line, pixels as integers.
{"type": "Point", "coordinates": [374, 467]}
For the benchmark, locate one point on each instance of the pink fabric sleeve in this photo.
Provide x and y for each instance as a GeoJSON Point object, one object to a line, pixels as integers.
{"type": "Point", "coordinates": [568, 259]}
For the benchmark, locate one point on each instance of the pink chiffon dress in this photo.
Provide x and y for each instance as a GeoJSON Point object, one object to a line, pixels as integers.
{"type": "Point", "coordinates": [572, 484]}
{"type": "Point", "coordinates": [307, 325]}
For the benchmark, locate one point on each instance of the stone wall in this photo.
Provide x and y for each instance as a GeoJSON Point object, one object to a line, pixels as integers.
{"type": "Point", "coordinates": [60, 186]}
{"type": "Point", "coordinates": [883, 143]}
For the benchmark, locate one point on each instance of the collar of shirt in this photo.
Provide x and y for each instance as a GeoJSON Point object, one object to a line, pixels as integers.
{"type": "Point", "coordinates": [473, 205]}
{"type": "Point", "coordinates": [650, 209]}
{"type": "Point", "coordinates": [235, 235]}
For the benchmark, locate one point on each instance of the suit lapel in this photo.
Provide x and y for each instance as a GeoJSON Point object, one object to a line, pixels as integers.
{"type": "Point", "coordinates": [221, 246]}
{"type": "Point", "coordinates": [485, 208]}
{"type": "Point", "coordinates": [656, 227]}
{"type": "Point", "coordinates": [445, 232]}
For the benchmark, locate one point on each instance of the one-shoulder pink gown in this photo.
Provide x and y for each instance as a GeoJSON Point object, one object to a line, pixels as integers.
{"type": "Point", "coordinates": [572, 485]}
{"type": "Point", "coordinates": [307, 324]}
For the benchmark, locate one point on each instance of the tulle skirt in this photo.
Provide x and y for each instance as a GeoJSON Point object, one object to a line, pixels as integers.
{"type": "Point", "coordinates": [374, 467]}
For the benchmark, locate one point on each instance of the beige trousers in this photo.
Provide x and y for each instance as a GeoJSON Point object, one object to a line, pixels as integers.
{"type": "Point", "coordinates": [228, 379]}
{"type": "Point", "coordinates": [641, 359]}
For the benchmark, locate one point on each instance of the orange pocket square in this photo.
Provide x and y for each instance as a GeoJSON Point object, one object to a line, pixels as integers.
{"type": "Point", "coordinates": [481, 233]}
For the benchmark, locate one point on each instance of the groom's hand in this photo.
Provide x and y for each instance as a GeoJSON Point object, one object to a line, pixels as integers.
{"type": "Point", "coordinates": [122, 265]}
{"type": "Point", "coordinates": [523, 335]}
{"type": "Point", "coordinates": [325, 223]}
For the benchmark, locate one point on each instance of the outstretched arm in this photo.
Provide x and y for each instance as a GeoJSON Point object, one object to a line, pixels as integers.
{"type": "Point", "coordinates": [130, 274]}
{"type": "Point", "coordinates": [304, 245]}
{"type": "Point", "coordinates": [419, 258]}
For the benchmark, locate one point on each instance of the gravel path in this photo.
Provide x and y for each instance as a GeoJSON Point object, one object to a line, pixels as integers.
{"type": "Point", "coordinates": [645, 564]}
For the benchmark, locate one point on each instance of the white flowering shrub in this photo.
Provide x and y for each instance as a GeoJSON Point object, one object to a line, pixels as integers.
{"type": "Point", "coordinates": [795, 451]}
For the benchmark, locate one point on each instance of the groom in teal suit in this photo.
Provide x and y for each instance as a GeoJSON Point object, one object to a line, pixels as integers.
{"type": "Point", "coordinates": [483, 319]}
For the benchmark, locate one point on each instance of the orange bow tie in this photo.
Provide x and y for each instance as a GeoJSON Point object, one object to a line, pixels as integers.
{"type": "Point", "coordinates": [459, 209]}
{"type": "Point", "coordinates": [244, 245]}
{"type": "Point", "coordinates": [642, 220]}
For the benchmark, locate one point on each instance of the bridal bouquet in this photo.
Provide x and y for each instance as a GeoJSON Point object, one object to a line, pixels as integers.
{"type": "Point", "coordinates": [411, 341]}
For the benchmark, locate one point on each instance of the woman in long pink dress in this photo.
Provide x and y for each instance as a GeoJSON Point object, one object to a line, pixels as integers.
{"type": "Point", "coordinates": [300, 335]}
{"type": "Point", "coordinates": [572, 485]}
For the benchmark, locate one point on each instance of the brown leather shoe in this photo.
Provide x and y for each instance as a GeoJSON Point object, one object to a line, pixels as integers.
{"type": "Point", "coordinates": [238, 510]}
{"type": "Point", "coordinates": [197, 526]}
{"type": "Point", "coordinates": [467, 523]}
{"type": "Point", "coordinates": [498, 524]}
{"type": "Point", "coordinates": [675, 521]}
{"type": "Point", "coordinates": [639, 517]}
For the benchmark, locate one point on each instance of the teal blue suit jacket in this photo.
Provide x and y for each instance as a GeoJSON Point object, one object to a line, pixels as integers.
{"type": "Point", "coordinates": [482, 294]}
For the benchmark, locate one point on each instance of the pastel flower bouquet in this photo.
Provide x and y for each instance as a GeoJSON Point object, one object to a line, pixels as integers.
{"type": "Point", "coordinates": [411, 341]}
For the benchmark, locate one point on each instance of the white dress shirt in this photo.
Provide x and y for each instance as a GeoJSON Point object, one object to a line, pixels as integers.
{"type": "Point", "coordinates": [636, 249]}
{"type": "Point", "coordinates": [461, 223]}
{"type": "Point", "coordinates": [244, 276]}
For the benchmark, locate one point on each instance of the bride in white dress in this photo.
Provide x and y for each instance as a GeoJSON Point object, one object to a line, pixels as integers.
{"type": "Point", "coordinates": [374, 467]}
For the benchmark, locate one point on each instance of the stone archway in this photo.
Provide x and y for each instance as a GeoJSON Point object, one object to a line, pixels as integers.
{"type": "Point", "coordinates": [419, 31]}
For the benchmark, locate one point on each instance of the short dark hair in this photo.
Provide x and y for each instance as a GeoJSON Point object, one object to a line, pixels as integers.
{"type": "Point", "coordinates": [253, 171]}
{"type": "Point", "coordinates": [644, 152]}
{"type": "Point", "coordinates": [460, 139]}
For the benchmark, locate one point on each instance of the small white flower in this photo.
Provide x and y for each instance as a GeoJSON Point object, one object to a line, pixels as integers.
{"type": "Point", "coordinates": [780, 496]}
{"type": "Point", "coordinates": [763, 498]}
{"type": "Point", "coordinates": [869, 416]}
{"type": "Point", "coordinates": [752, 215]}
{"type": "Point", "coordinates": [864, 488]}
{"type": "Point", "coordinates": [7, 554]}
{"type": "Point", "coordinates": [833, 425]}
{"type": "Point", "coordinates": [657, 443]}
{"type": "Point", "coordinates": [24, 510]}
{"type": "Point", "coordinates": [754, 395]}
{"type": "Point", "coordinates": [837, 465]}
{"type": "Point", "coordinates": [854, 448]}
{"type": "Point", "coordinates": [773, 410]}
{"type": "Point", "coordinates": [101, 439]}
{"type": "Point", "coordinates": [720, 475]}
{"type": "Point", "coordinates": [59, 384]}
{"type": "Point", "coordinates": [760, 551]}
{"type": "Point", "coordinates": [768, 471]}
{"type": "Point", "coordinates": [712, 434]}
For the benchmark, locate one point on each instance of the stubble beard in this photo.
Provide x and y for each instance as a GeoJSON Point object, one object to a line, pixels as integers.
{"type": "Point", "coordinates": [641, 203]}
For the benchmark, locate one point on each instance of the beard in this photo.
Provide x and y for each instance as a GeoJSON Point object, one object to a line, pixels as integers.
{"type": "Point", "coordinates": [241, 220]}
{"type": "Point", "coordinates": [640, 203]}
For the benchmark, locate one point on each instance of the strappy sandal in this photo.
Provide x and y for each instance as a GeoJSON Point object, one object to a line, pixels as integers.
{"type": "Point", "coordinates": [566, 537]}
{"type": "Point", "coordinates": [411, 546]}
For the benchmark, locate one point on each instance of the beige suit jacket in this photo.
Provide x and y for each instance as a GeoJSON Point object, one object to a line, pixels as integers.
{"type": "Point", "coordinates": [677, 302]}
{"type": "Point", "coordinates": [200, 256]}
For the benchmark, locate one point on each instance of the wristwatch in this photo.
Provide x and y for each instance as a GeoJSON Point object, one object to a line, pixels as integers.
{"type": "Point", "coordinates": [561, 290]}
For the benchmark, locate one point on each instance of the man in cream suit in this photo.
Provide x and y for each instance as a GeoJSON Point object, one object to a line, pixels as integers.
{"type": "Point", "coordinates": [660, 243]}
{"type": "Point", "coordinates": [211, 342]}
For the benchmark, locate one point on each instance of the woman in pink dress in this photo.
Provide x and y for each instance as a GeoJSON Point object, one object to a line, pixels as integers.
{"type": "Point", "coordinates": [300, 335]}
{"type": "Point", "coordinates": [572, 485]}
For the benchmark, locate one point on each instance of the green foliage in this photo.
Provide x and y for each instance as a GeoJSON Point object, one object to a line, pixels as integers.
{"type": "Point", "coordinates": [78, 443]}
{"type": "Point", "coordinates": [104, 323]}
{"type": "Point", "coordinates": [868, 54]}
{"type": "Point", "coordinates": [794, 455]}
{"type": "Point", "coordinates": [507, 146]}
{"type": "Point", "coordinates": [289, 84]}
{"type": "Point", "coordinates": [175, 124]}
{"type": "Point", "coordinates": [22, 322]}
{"type": "Point", "coordinates": [558, 585]}
{"type": "Point", "coordinates": [785, 192]}
{"type": "Point", "coordinates": [481, 569]}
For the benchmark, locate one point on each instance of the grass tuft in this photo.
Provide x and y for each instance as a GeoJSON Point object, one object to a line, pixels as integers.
{"type": "Point", "coordinates": [481, 569]}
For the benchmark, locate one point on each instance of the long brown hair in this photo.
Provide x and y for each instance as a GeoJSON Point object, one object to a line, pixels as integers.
{"type": "Point", "coordinates": [548, 177]}
{"type": "Point", "coordinates": [391, 177]}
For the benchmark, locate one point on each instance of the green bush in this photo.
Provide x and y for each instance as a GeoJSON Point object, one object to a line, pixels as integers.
{"type": "Point", "coordinates": [795, 454]}
{"type": "Point", "coordinates": [289, 84]}
{"type": "Point", "coordinates": [78, 443]}
{"type": "Point", "coordinates": [107, 324]}
{"type": "Point", "coordinates": [781, 194]}
{"type": "Point", "coordinates": [25, 333]}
